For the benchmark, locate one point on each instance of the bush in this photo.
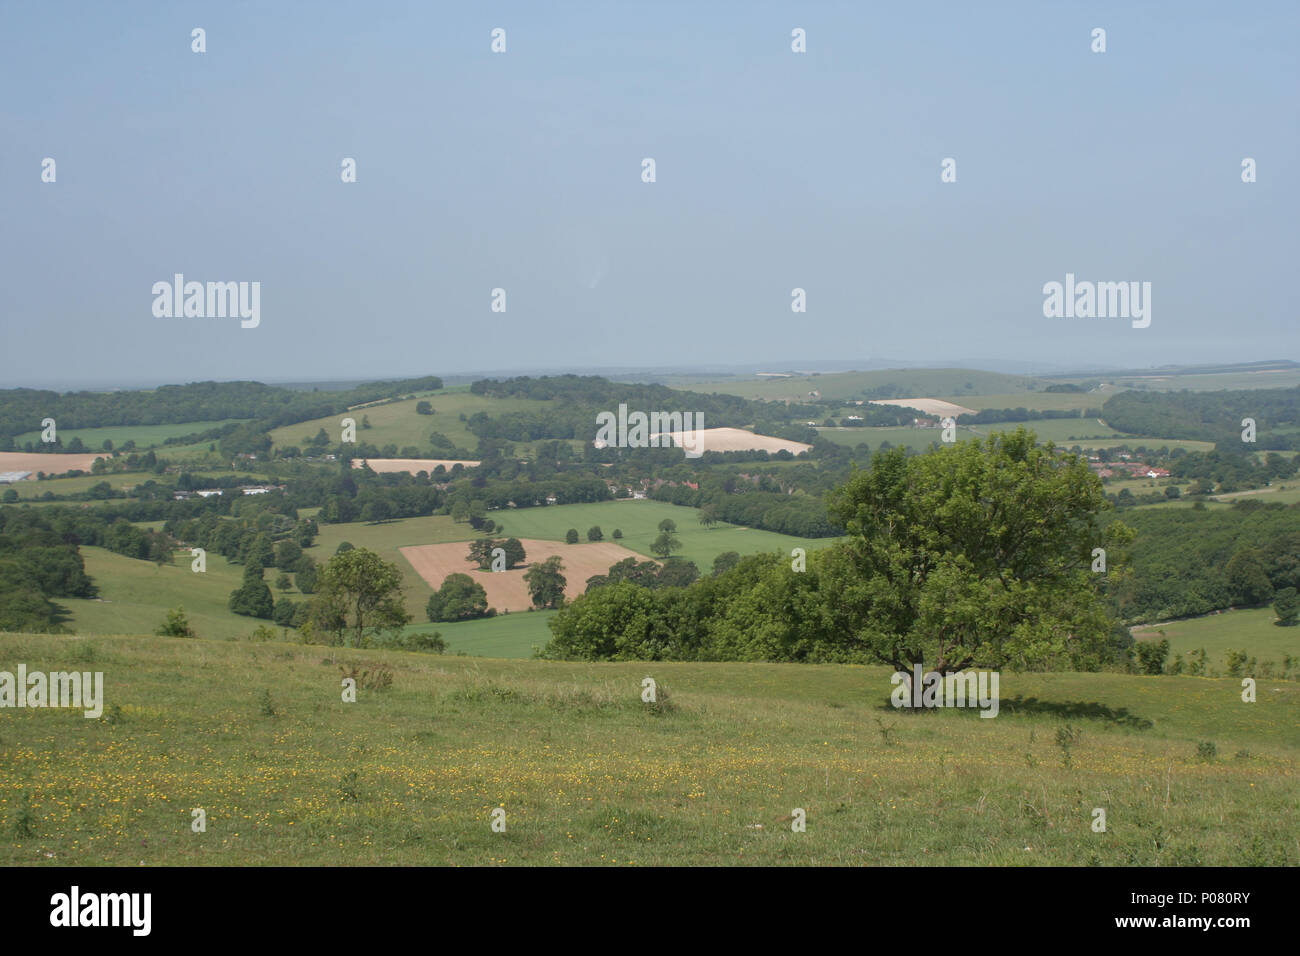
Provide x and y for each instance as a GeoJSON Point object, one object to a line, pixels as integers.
{"type": "Point", "coordinates": [176, 625]}
{"type": "Point", "coordinates": [618, 534]}
{"type": "Point", "coordinates": [1152, 655]}
{"type": "Point", "coordinates": [433, 643]}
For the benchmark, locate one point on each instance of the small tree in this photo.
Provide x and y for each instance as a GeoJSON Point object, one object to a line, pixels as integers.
{"type": "Point", "coordinates": [571, 536]}
{"type": "Point", "coordinates": [618, 534]}
{"type": "Point", "coordinates": [423, 408]}
{"type": "Point", "coordinates": [305, 577]}
{"type": "Point", "coordinates": [1286, 604]}
{"type": "Point", "coordinates": [595, 534]}
{"type": "Point", "coordinates": [360, 596]}
{"type": "Point", "coordinates": [708, 516]}
{"type": "Point", "coordinates": [665, 544]}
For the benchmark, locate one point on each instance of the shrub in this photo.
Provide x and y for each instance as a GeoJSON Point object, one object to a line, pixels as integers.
{"type": "Point", "coordinates": [1152, 655]}
{"type": "Point", "coordinates": [176, 624]}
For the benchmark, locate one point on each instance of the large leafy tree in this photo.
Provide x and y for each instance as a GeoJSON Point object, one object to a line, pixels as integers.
{"type": "Point", "coordinates": [977, 554]}
{"type": "Point", "coordinates": [360, 596]}
{"type": "Point", "coordinates": [546, 583]}
{"type": "Point", "coordinates": [460, 598]}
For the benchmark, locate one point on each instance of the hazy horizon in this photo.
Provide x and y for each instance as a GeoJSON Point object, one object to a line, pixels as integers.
{"type": "Point", "coordinates": [521, 170]}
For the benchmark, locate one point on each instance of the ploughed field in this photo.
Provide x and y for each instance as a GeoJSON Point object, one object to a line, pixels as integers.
{"type": "Point", "coordinates": [507, 590]}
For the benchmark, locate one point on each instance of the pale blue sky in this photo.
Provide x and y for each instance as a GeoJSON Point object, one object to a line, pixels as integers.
{"type": "Point", "coordinates": [522, 171]}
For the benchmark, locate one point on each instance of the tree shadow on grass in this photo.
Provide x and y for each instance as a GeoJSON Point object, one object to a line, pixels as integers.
{"type": "Point", "coordinates": [1075, 710]}
{"type": "Point", "coordinates": [1078, 709]}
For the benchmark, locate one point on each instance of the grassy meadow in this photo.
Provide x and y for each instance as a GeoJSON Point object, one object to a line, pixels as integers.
{"type": "Point", "coordinates": [134, 595]}
{"type": "Point", "coordinates": [397, 423]}
{"type": "Point", "coordinates": [1252, 630]}
{"type": "Point", "coordinates": [258, 737]}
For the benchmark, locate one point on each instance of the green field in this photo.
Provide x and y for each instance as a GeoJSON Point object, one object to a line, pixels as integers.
{"type": "Point", "coordinates": [1252, 631]}
{"type": "Point", "coordinates": [639, 522]}
{"type": "Point", "coordinates": [1286, 494]}
{"type": "Point", "coordinates": [954, 383]}
{"type": "Point", "coordinates": [503, 636]}
{"type": "Point", "coordinates": [398, 424]}
{"type": "Point", "coordinates": [1273, 378]}
{"type": "Point", "coordinates": [134, 596]}
{"type": "Point", "coordinates": [872, 436]}
{"type": "Point", "coordinates": [144, 436]}
{"type": "Point", "coordinates": [258, 737]}
{"type": "Point", "coordinates": [1038, 400]}
{"type": "Point", "coordinates": [1063, 431]}
{"type": "Point", "coordinates": [28, 490]}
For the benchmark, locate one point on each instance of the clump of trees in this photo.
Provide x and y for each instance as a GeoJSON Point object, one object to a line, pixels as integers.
{"type": "Point", "coordinates": [972, 555]}
{"type": "Point", "coordinates": [480, 552]}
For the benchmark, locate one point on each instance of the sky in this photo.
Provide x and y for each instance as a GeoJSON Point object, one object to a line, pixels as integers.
{"type": "Point", "coordinates": [522, 171]}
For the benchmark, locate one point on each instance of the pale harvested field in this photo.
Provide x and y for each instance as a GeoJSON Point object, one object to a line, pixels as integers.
{"type": "Point", "coordinates": [506, 590]}
{"type": "Point", "coordinates": [931, 406]}
{"type": "Point", "coordinates": [50, 464]}
{"type": "Point", "coordinates": [734, 439]}
{"type": "Point", "coordinates": [411, 466]}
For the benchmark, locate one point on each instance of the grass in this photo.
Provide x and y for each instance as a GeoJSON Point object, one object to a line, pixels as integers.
{"type": "Point", "coordinates": [503, 636]}
{"type": "Point", "coordinates": [144, 436]}
{"type": "Point", "coordinates": [1250, 630]}
{"type": "Point", "coordinates": [134, 596]}
{"type": "Point", "coordinates": [588, 774]}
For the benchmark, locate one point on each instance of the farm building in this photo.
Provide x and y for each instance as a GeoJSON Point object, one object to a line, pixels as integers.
{"type": "Point", "coordinates": [9, 477]}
